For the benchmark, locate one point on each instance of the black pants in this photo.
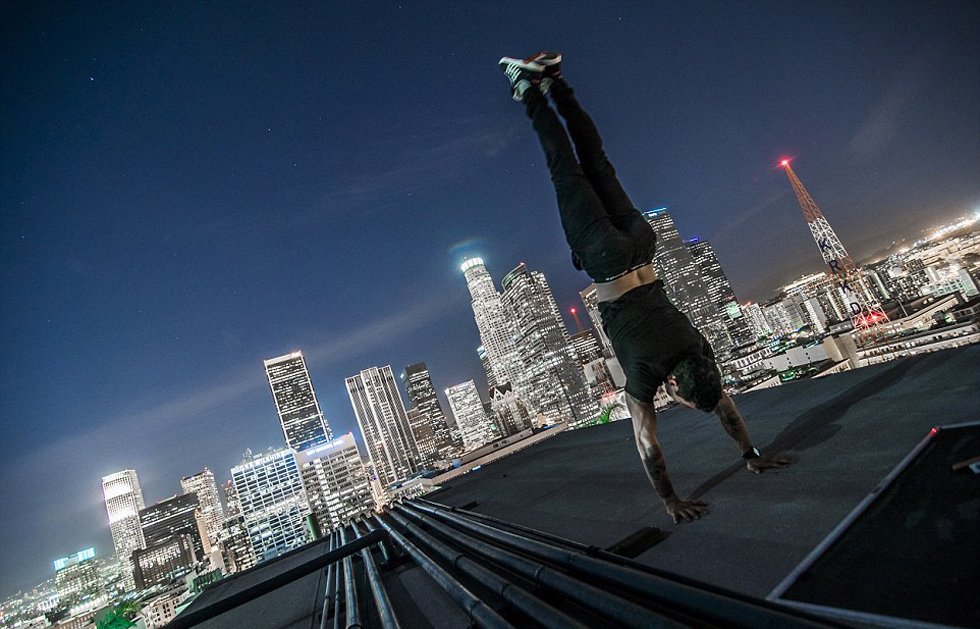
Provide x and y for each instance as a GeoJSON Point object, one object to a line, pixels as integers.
{"type": "Point", "coordinates": [606, 233]}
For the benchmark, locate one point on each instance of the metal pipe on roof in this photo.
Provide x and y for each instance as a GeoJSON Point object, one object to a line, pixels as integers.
{"type": "Point", "coordinates": [478, 611]}
{"type": "Point", "coordinates": [616, 608]}
{"type": "Point", "coordinates": [533, 607]}
{"type": "Point", "coordinates": [381, 601]}
{"type": "Point", "coordinates": [592, 551]}
{"type": "Point", "coordinates": [326, 592]}
{"type": "Point", "coordinates": [336, 592]}
{"type": "Point", "coordinates": [350, 588]}
{"type": "Point", "coordinates": [383, 545]}
{"type": "Point", "coordinates": [697, 602]}
{"type": "Point", "coordinates": [189, 619]}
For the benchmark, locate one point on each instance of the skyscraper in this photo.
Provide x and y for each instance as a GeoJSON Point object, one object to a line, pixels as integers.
{"type": "Point", "coordinates": [77, 575]}
{"type": "Point", "coordinates": [299, 412]}
{"type": "Point", "coordinates": [682, 279]}
{"type": "Point", "coordinates": [174, 516]}
{"type": "Point", "coordinates": [206, 488]}
{"type": "Point", "coordinates": [475, 427]}
{"type": "Point", "coordinates": [508, 411]}
{"type": "Point", "coordinates": [590, 299]}
{"type": "Point", "coordinates": [231, 499]}
{"type": "Point", "coordinates": [123, 502]}
{"type": "Point", "coordinates": [273, 503]}
{"type": "Point", "coordinates": [554, 379]}
{"type": "Point", "coordinates": [422, 396]}
{"type": "Point", "coordinates": [336, 483]}
{"type": "Point", "coordinates": [497, 329]}
{"type": "Point", "coordinates": [383, 422]}
{"type": "Point", "coordinates": [719, 289]}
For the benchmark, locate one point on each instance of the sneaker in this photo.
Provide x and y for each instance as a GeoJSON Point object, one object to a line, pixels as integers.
{"type": "Point", "coordinates": [550, 61]}
{"type": "Point", "coordinates": [523, 74]}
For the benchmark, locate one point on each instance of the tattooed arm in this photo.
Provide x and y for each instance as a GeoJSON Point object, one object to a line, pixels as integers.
{"type": "Point", "coordinates": [734, 425]}
{"type": "Point", "coordinates": [645, 432]}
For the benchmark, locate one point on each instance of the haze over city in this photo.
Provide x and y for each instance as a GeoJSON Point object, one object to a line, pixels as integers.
{"type": "Point", "coordinates": [188, 189]}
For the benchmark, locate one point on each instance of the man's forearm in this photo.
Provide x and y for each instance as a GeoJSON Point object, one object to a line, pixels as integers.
{"type": "Point", "coordinates": [733, 423]}
{"type": "Point", "coordinates": [656, 469]}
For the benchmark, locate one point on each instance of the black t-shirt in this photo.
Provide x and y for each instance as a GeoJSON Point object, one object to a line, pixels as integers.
{"type": "Point", "coordinates": [649, 335]}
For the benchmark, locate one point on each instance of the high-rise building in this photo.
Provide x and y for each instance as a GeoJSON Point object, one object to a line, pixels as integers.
{"type": "Point", "coordinates": [237, 553]}
{"type": "Point", "coordinates": [682, 279]}
{"type": "Point", "coordinates": [299, 412]}
{"type": "Point", "coordinates": [497, 329]}
{"type": "Point", "coordinates": [123, 501]}
{"type": "Point", "coordinates": [231, 499]}
{"type": "Point", "coordinates": [586, 347]}
{"type": "Point", "coordinates": [383, 422]}
{"type": "Point", "coordinates": [556, 385]}
{"type": "Point", "coordinates": [77, 575]}
{"type": "Point", "coordinates": [719, 290]}
{"type": "Point", "coordinates": [336, 483]}
{"type": "Point", "coordinates": [162, 561]}
{"type": "Point", "coordinates": [176, 515]}
{"type": "Point", "coordinates": [206, 488]}
{"type": "Point", "coordinates": [422, 396]}
{"type": "Point", "coordinates": [475, 427]}
{"type": "Point", "coordinates": [508, 411]}
{"type": "Point", "coordinates": [590, 299]}
{"type": "Point", "coordinates": [757, 321]}
{"type": "Point", "coordinates": [273, 502]}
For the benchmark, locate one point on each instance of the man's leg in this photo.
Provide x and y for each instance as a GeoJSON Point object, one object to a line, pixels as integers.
{"type": "Point", "coordinates": [601, 247]}
{"type": "Point", "coordinates": [595, 163]}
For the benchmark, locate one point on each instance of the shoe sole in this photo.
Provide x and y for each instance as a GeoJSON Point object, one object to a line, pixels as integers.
{"type": "Point", "coordinates": [531, 66]}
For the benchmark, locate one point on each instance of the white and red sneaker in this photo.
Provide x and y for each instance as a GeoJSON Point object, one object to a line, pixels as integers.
{"type": "Point", "coordinates": [523, 74]}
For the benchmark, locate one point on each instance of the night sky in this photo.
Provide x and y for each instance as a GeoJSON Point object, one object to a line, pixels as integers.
{"type": "Point", "coordinates": [189, 188]}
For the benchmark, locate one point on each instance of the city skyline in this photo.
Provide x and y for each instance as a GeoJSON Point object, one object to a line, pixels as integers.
{"type": "Point", "coordinates": [154, 251]}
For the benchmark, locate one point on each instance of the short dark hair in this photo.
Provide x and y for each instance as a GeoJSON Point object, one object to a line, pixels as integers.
{"type": "Point", "coordinates": [698, 381]}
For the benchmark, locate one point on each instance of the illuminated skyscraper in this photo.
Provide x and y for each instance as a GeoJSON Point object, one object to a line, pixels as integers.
{"type": "Point", "coordinates": [383, 422]}
{"type": "Point", "coordinates": [335, 480]}
{"type": "Point", "coordinates": [590, 299]}
{"type": "Point", "coordinates": [206, 488]}
{"type": "Point", "coordinates": [475, 427]}
{"type": "Point", "coordinates": [422, 396]}
{"type": "Point", "coordinates": [77, 575]}
{"type": "Point", "coordinates": [719, 289]}
{"type": "Point", "coordinates": [554, 379]}
{"type": "Point", "coordinates": [123, 502]}
{"type": "Point", "coordinates": [497, 330]}
{"type": "Point", "coordinates": [171, 517]}
{"type": "Point", "coordinates": [299, 412]}
{"type": "Point", "coordinates": [508, 412]}
{"type": "Point", "coordinates": [231, 499]}
{"type": "Point", "coordinates": [682, 279]}
{"type": "Point", "coordinates": [273, 503]}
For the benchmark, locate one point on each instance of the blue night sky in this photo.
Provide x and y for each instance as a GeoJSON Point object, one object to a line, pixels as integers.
{"type": "Point", "coordinates": [189, 188]}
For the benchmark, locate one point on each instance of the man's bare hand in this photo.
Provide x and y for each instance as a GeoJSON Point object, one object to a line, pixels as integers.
{"type": "Point", "coordinates": [762, 463]}
{"type": "Point", "coordinates": [687, 511]}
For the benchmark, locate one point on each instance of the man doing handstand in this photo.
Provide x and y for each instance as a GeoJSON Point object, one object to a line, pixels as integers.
{"type": "Point", "coordinates": [612, 242]}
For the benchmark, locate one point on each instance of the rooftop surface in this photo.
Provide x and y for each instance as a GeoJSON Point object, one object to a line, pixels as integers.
{"type": "Point", "coordinates": [848, 431]}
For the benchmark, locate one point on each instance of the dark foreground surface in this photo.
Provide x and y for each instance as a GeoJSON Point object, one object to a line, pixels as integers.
{"type": "Point", "coordinates": [922, 535]}
{"type": "Point", "coordinates": [848, 432]}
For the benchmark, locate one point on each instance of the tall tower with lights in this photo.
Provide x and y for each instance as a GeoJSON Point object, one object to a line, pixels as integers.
{"type": "Point", "coordinates": [865, 310]}
{"type": "Point", "coordinates": [497, 329]}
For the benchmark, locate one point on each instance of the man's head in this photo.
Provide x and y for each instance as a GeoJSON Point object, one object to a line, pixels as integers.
{"type": "Point", "coordinates": [695, 382]}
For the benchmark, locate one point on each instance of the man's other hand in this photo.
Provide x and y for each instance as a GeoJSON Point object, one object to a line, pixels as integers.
{"type": "Point", "coordinates": [762, 463]}
{"type": "Point", "coordinates": [687, 511]}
